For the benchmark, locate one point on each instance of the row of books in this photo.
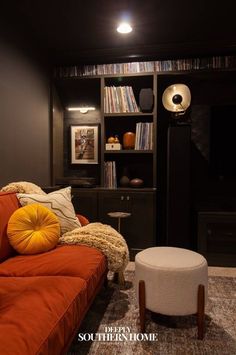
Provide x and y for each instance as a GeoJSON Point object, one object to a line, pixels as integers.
{"type": "Point", "coordinates": [196, 64]}
{"type": "Point", "coordinates": [144, 136]}
{"type": "Point", "coordinates": [126, 68]}
{"type": "Point", "coordinates": [216, 62]}
{"type": "Point", "coordinates": [110, 180]}
{"type": "Point", "coordinates": [119, 99]}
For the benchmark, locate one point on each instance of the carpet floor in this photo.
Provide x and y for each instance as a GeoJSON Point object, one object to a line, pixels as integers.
{"type": "Point", "coordinates": [117, 307]}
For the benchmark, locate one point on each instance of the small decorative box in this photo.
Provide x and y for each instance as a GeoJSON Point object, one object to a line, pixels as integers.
{"type": "Point", "coordinates": [113, 146]}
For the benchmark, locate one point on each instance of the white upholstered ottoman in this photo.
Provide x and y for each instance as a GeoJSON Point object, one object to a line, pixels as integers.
{"type": "Point", "coordinates": [171, 281]}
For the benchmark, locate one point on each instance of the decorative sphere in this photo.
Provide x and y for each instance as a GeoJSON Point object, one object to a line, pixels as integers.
{"type": "Point", "coordinates": [111, 140]}
{"type": "Point", "coordinates": [136, 182]}
{"type": "Point", "coordinates": [177, 99]}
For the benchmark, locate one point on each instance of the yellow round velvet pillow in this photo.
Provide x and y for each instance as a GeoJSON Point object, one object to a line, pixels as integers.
{"type": "Point", "coordinates": [33, 229]}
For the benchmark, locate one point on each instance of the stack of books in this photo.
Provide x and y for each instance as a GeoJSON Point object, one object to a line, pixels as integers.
{"type": "Point", "coordinates": [110, 180]}
{"type": "Point", "coordinates": [216, 62]}
{"type": "Point", "coordinates": [144, 136]}
{"type": "Point", "coordinates": [118, 99]}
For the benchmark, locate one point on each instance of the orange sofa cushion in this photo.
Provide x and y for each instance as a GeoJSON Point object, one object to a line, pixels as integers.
{"type": "Point", "coordinates": [8, 204]}
{"type": "Point", "coordinates": [68, 260]}
{"type": "Point", "coordinates": [37, 311]}
{"type": "Point", "coordinates": [33, 229]}
{"type": "Point", "coordinates": [83, 220]}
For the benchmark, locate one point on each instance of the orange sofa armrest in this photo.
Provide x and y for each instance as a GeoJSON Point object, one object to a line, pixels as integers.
{"type": "Point", "coordinates": [83, 220]}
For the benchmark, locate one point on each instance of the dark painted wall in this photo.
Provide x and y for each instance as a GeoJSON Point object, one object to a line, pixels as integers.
{"type": "Point", "coordinates": [24, 117]}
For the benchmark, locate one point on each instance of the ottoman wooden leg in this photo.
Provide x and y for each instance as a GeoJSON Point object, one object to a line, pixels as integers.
{"type": "Point", "coordinates": [201, 311]}
{"type": "Point", "coordinates": [121, 278]}
{"type": "Point", "coordinates": [142, 305]}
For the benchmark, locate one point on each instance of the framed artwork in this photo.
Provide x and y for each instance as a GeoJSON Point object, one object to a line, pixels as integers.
{"type": "Point", "coordinates": [84, 144]}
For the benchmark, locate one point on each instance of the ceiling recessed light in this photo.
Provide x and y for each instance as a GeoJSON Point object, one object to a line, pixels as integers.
{"type": "Point", "coordinates": [124, 27]}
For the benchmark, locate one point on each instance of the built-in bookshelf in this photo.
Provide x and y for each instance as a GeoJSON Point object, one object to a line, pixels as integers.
{"type": "Point", "coordinates": [117, 172]}
{"type": "Point", "coordinates": [186, 64]}
{"type": "Point", "coordinates": [139, 160]}
{"type": "Point", "coordinates": [208, 80]}
{"type": "Point", "coordinates": [116, 111]}
{"type": "Point", "coordinates": [113, 90]}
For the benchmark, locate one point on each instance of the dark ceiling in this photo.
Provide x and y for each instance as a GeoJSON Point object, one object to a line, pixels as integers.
{"type": "Point", "coordinates": [73, 31]}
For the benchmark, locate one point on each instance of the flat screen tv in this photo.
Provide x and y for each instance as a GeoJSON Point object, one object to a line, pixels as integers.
{"type": "Point", "coordinates": [222, 147]}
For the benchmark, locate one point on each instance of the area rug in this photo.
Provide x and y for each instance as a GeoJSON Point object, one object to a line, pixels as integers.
{"type": "Point", "coordinates": [116, 308]}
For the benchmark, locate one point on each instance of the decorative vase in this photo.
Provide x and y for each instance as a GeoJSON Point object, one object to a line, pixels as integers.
{"type": "Point", "coordinates": [124, 180]}
{"type": "Point", "coordinates": [129, 140]}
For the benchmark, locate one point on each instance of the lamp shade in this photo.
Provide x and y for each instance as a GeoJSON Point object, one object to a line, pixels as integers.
{"type": "Point", "coordinates": [176, 98]}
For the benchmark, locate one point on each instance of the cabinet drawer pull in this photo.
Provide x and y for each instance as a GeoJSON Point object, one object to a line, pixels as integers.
{"type": "Point", "coordinates": [122, 198]}
{"type": "Point", "coordinates": [127, 198]}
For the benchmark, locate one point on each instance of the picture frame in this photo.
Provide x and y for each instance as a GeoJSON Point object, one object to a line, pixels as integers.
{"type": "Point", "coordinates": [84, 144]}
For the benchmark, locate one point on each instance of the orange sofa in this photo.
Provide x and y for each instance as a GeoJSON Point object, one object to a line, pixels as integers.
{"type": "Point", "coordinates": [44, 297]}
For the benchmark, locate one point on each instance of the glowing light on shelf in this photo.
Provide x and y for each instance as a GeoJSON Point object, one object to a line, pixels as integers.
{"type": "Point", "coordinates": [83, 109]}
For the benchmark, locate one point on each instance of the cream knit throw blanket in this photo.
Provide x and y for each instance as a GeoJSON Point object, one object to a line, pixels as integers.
{"type": "Point", "coordinates": [23, 187]}
{"type": "Point", "coordinates": [103, 237]}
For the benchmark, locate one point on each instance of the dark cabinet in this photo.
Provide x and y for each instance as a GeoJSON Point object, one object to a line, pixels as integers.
{"type": "Point", "coordinates": [139, 229]}
{"type": "Point", "coordinates": [217, 237]}
{"type": "Point", "coordinates": [86, 203]}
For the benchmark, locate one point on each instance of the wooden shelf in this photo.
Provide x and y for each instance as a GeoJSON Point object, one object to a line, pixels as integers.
{"type": "Point", "coordinates": [128, 151]}
{"type": "Point", "coordinates": [128, 114]}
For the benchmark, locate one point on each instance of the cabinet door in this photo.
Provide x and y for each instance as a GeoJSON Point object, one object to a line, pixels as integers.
{"type": "Point", "coordinates": [112, 202]}
{"type": "Point", "coordinates": [85, 203]}
{"type": "Point", "coordinates": [139, 228]}
{"type": "Point", "coordinates": [217, 237]}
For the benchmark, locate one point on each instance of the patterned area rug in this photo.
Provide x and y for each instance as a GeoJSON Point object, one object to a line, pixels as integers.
{"type": "Point", "coordinates": [117, 307]}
